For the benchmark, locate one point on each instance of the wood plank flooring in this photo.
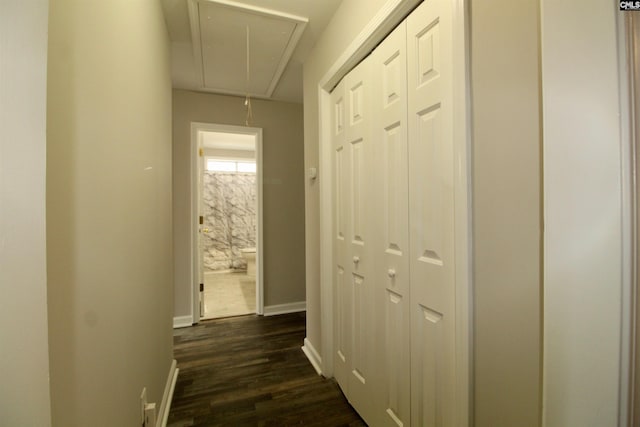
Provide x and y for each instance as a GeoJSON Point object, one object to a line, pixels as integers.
{"type": "Point", "coordinates": [250, 371]}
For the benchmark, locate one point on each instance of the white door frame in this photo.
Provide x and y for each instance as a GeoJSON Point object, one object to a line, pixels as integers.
{"type": "Point", "coordinates": [196, 129]}
{"type": "Point", "coordinates": [389, 16]}
{"type": "Point", "coordinates": [628, 30]}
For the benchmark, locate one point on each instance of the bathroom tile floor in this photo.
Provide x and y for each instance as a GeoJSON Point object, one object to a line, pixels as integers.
{"type": "Point", "coordinates": [229, 294]}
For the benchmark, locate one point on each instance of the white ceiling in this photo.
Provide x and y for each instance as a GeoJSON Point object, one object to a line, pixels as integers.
{"type": "Point", "coordinates": [208, 40]}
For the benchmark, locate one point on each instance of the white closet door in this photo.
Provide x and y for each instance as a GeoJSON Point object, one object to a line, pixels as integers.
{"type": "Point", "coordinates": [391, 270]}
{"type": "Point", "coordinates": [359, 238]}
{"type": "Point", "coordinates": [431, 214]}
{"type": "Point", "coordinates": [341, 266]}
{"type": "Point", "coordinates": [353, 231]}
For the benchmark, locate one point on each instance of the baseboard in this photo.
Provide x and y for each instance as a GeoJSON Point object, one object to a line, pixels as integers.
{"type": "Point", "coordinates": [165, 406]}
{"type": "Point", "coordinates": [182, 322]}
{"type": "Point", "coordinates": [292, 307]}
{"type": "Point", "coordinates": [313, 356]}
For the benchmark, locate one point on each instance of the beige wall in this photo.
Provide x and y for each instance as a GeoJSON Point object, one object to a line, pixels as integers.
{"type": "Point", "coordinates": [506, 211]}
{"type": "Point", "coordinates": [584, 289]}
{"type": "Point", "coordinates": [346, 24]}
{"type": "Point", "coordinates": [283, 190]}
{"type": "Point", "coordinates": [24, 364]}
{"type": "Point", "coordinates": [108, 209]}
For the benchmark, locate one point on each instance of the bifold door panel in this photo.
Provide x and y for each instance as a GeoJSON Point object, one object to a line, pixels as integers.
{"type": "Point", "coordinates": [353, 231]}
{"type": "Point", "coordinates": [392, 240]}
{"type": "Point", "coordinates": [341, 213]}
{"type": "Point", "coordinates": [431, 215]}
{"type": "Point", "coordinates": [393, 235]}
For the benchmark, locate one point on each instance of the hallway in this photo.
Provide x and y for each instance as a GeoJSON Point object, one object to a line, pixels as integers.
{"type": "Point", "coordinates": [250, 370]}
{"type": "Point", "coordinates": [98, 154]}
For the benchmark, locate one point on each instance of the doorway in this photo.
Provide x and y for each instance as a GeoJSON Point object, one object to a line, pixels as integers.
{"type": "Point", "coordinates": [227, 220]}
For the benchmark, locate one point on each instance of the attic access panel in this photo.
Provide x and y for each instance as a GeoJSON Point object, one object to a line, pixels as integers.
{"type": "Point", "coordinates": [218, 30]}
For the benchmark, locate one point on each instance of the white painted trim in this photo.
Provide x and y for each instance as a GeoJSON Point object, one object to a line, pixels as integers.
{"type": "Point", "coordinates": [260, 10]}
{"type": "Point", "coordinates": [182, 321]}
{"type": "Point", "coordinates": [221, 91]}
{"type": "Point", "coordinates": [313, 356]}
{"type": "Point", "coordinates": [326, 227]}
{"type": "Point", "coordinates": [634, 123]}
{"type": "Point", "coordinates": [300, 23]}
{"type": "Point", "coordinates": [193, 236]}
{"type": "Point", "coordinates": [260, 228]}
{"type": "Point", "coordinates": [194, 24]}
{"type": "Point", "coordinates": [291, 307]}
{"type": "Point", "coordinates": [627, 130]}
{"type": "Point", "coordinates": [389, 16]}
{"type": "Point", "coordinates": [167, 397]}
{"type": "Point", "coordinates": [462, 206]}
{"type": "Point", "coordinates": [197, 127]}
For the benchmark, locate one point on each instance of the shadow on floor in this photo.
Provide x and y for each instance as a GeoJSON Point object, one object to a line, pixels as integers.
{"type": "Point", "coordinates": [251, 371]}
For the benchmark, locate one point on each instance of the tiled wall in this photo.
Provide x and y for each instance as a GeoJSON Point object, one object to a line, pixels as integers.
{"type": "Point", "coordinates": [230, 215]}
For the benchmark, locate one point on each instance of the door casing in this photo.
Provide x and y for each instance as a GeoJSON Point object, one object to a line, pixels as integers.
{"type": "Point", "coordinates": [629, 65]}
{"type": "Point", "coordinates": [196, 129]}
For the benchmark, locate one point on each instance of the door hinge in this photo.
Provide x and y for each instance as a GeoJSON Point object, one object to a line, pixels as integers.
{"type": "Point", "coordinates": [201, 219]}
{"type": "Point", "coordinates": [201, 287]}
{"type": "Point", "coordinates": [200, 152]}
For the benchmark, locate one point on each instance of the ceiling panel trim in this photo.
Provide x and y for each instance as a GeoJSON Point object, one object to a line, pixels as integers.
{"type": "Point", "coordinates": [194, 23]}
{"type": "Point", "coordinates": [196, 38]}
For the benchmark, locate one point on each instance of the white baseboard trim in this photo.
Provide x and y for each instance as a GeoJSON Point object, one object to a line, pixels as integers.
{"type": "Point", "coordinates": [182, 322]}
{"type": "Point", "coordinates": [292, 307]}
{"type": "Point", "coordinates": [163, 414]}
{"type": "Point", "coordinates": [313, 356]}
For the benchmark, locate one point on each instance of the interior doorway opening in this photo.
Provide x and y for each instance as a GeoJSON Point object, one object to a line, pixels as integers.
{"type": "Point", "coordinates": [227, 221]}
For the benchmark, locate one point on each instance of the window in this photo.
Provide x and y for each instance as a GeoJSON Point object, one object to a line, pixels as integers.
{"type": "Point", "coordinates": [246, 167]}
{"type": "Point", "coordinates": [218, 165]}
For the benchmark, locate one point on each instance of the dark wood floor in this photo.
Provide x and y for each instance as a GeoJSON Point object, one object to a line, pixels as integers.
{"type": "Point", "coordinates": [250, 371]}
